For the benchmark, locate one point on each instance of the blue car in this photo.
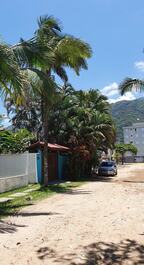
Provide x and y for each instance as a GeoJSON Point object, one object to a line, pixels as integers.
{"type": "Point", "coordinates": [107, 168]}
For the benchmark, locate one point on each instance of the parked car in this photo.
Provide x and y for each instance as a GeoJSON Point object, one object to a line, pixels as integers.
{"type": "Point", "coordinates": [107, 168]}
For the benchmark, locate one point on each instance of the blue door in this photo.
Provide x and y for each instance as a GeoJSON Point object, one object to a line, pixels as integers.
{"type": "Point", "coordinates": [62, 161]}
{"type": "Point", "coordinates": [39, 167]}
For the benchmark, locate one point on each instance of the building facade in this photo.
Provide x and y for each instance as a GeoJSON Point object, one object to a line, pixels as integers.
{"type": "Point", "coordinates": [135, 135]}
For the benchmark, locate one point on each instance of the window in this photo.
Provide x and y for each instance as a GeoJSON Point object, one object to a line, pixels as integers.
{"type": "Point", "coordinates": [107, 164]}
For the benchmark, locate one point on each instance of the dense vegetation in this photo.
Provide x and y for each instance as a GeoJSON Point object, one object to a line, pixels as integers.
{"type": "Point", "coordinates": [125, 113]}
{"type": "Point", "coordinates": [28, 68]}
{"type": "Point", "coordinates": [17, 142]}
{"type": "Point", "coordinates": [80, 120]}
{"type": "Point", "coordinates": [48, 110]}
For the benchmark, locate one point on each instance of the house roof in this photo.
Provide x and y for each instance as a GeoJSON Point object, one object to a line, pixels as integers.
{"type": "Point", "coordinates": [52, 147]}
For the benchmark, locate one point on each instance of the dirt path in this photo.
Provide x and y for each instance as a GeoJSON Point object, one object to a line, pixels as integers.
{"type": "Point", "coordinates": [100, 223]}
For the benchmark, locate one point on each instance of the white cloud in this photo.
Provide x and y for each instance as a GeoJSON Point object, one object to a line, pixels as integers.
{"type": "Point", "coordinates": [127, 96]}
{"type": "Point", "coordinates": [139, 65]}
{"type": "Point", "coordinates": [111, 91]}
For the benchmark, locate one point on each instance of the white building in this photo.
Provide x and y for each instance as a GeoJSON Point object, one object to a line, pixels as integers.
{"type": "Point", "coordinates": [135, 135]}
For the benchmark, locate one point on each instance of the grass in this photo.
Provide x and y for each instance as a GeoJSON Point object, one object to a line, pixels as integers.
{"type": "Point", "coordinates": [40, 192]}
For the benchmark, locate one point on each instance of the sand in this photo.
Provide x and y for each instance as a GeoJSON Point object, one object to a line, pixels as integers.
{"type": "Point", "coordinates": [102, 222]}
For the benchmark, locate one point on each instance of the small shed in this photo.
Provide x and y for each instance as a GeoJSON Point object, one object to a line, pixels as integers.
{"type": "Point", "coordinates": [57, 159]}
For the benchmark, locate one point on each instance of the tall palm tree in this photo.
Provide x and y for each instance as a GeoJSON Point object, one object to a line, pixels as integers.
{"type": "Point", "coordinates": [50, 52]}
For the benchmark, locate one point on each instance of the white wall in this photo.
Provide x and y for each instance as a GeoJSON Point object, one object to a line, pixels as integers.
{"type": "Point", "coordinates": [10, 183]}
{"type": "Point", "coordinates": [13, 165]}
{"type": "Point", "coordinates": [32, 168]}
{"type": "Point", "coordinates": [17, 170]}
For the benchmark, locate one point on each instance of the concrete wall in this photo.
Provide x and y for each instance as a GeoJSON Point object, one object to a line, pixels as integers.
{"type": "Point", "coordinates": [13, 165]}
{"type": "Point", "coordinates": [32, 168]}
{"type": "Point", "coordinates": [134, 159]}
{"type": "Point", "coordinates": [10, 183]}
{"type": "Point", "coordinates": [129, 159]}
{"type": "Point", "coordinates": [17, 170]}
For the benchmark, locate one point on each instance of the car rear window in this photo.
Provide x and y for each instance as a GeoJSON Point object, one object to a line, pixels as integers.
{"type": "Point", "coordinates": [107, 164]}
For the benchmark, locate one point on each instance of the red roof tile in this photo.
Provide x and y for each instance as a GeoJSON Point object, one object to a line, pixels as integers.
{"type": "Point", "coordinates": [55, 147]}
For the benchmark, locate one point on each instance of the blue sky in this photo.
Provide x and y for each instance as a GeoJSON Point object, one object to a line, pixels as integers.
{"type": "Point", "coordinates": [113, 28]}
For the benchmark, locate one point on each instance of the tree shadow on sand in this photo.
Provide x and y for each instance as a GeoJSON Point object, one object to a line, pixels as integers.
{"type": "Point", "coordinates": [27, 214]}
{"type": "Point", "coordinates": [99, 253]}
{"type": "Point", "coordinates": [126, 252]}
{"type": "Point", "coordinates": [6, 227]}
{"type": "Point", "coordinates": [6, 210]}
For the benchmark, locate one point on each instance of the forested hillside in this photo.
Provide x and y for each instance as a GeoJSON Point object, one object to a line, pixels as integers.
{"type": "Point", "coordinates": [125, 113]}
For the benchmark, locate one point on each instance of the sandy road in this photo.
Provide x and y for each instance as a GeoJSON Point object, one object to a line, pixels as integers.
{"type": "Point", "coordinates": [102, 222]}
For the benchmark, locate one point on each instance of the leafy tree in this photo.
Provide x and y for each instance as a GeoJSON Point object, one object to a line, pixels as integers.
{"type": "Point", "coordinates": [25, 115]}
{"type": "Point", "coordinates": [15, 142]}
{"type": "Point", "coordinates": [123, 148]}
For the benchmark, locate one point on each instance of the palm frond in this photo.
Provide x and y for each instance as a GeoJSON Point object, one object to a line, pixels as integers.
{"type": "Point", "coordinates": [130, 84]}
{"type": "Point", "coordinates": [33, 53]}
{"type": "Point", "coordinates": [11, 76]}
{"type": "Point", "coordinates": [61, 72]}
{"type": "Point", "coordinates": [43, 82]}
{"type": "Point", "coordinates": [72, 52]}
{"type": "Point", "coordinates": [48, 25]}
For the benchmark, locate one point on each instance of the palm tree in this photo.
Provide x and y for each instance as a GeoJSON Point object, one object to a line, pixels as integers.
{"type": "Point", "coordinates": [93, 99]}
{"type": "Point", "coordinates": [130, 84]}
{"type": "Point", "coordinates": [11, 76]}
{"type": "Point", "coordinates": [93, 128]}
{"type": "Point", "coordinates": [50, 52]}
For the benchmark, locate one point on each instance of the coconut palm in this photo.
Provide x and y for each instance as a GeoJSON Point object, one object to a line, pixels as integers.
{"type": "Point", "coordinates": [50, 52]}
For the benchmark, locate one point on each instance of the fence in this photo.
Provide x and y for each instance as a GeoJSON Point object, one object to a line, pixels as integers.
{"type": "Point", "coordinates": [134, 159]}
{"type": "Point", "coordinates": [17, 170]}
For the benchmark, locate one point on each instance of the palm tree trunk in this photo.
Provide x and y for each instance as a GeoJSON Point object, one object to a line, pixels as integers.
{"type": "Point", "coordinates": [45, 154]}
{"type": "Point", "coordinates": [45, 139]}
{"type": "Point", "coordinates": [46, 106]}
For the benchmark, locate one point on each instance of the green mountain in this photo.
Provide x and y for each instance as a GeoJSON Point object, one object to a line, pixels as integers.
{"type": "Point", "coordinates": [125, 113]}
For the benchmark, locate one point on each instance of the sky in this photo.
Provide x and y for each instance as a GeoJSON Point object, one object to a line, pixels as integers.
{"type": "Point", "coordinates": [113, 28]}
